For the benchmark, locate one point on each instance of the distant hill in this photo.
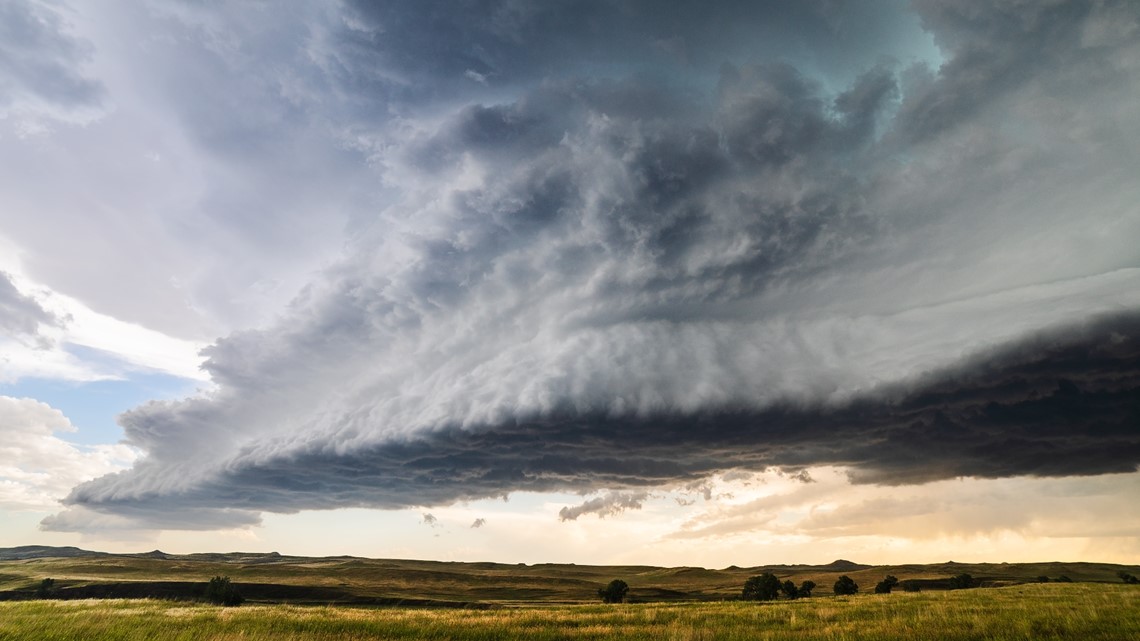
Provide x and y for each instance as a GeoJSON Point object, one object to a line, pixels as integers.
{"type": "Point", "coordinates": [44, 552]}
{"type": "Point", "coordinates": [272, 577]}
{"type": "Point", "coordinates": [843, 565]}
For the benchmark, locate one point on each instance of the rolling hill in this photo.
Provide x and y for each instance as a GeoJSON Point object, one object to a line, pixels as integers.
{"type": "Point", "coordinates": [275, 578]}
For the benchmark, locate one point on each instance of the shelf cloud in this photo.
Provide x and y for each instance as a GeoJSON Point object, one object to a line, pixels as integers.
{"type": "Point", "coordinates": [591, 275]}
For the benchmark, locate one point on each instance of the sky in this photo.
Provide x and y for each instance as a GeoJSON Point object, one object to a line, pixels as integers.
{"type": "Point", "coordinates": [591, 281]}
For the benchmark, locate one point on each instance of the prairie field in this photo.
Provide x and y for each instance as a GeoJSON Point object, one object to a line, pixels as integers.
{"type": "Point", "coordinates": [274, 579]}
{"type": "Point", "coordinates": [1032, 611]}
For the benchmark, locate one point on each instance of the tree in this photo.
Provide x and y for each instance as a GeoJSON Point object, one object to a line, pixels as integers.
{"type": "Point", "coordinates": [884, 586]}
{"type": "Point", "coordinates": [761, 588]}
{"type": "Point", "coordinates": [46, 589]}
{"type": "Point", "coordinates": [790, 589]}
{"type": "Point", "coordinates": [614, 592]}
{"type": "Point", "coordinates": [845, 585]}
{"type": "Point", "coordinates": [1127, 578]}
{"type": "Point", "coordinates": [961, 582]}
{"type": "Point", "coordinates": [1042, 579]}
{"type": "Point", "coordinates": [1064, 579]}
{"type": "Point", "coordinates": [805, 588]}
{"type": "Point", "coordinates": [221, 592]}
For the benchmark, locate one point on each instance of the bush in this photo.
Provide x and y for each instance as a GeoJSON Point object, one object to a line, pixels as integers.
{"type": "Point", "coordinates": [221, 592]}
{"type": "Point", "coordinates": [845, 585]}
{"type": "Point", "coordinates": [761, 588]}
{"type": "Point", "coordinates": [1064, 579]}
{"type": "Point", "coordinates": [614, 592]}
{"type": "Point", "coordinates": [961, 582]}
{"type": "Point", "coordinates": [46, 589]}
{"type": "Point", "coordinates": [1042, 579]}
{"type": "Point", "coordinates": [1127, 578]}
{"type": "Point", "coordinates": [790, 590]}
{"type": "Point", "coordinates": [805, 588]}
{"type": "Point", "coordinates": [884, 586]}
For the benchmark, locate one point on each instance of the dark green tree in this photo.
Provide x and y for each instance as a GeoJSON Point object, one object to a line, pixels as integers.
{"type": "Point", "coordinates": [1127, 578]}
{"type": "Point", "coordinates": [764, 587]}
{"type": "Point", "coordinates": [845, 585]}
{"type": "Point", "coordinates": [884, 586]}
{"type": "Point", "coordinates": [1064, 579]}
{"type": "Point", "coordinates": [614, 592]}
{"type": "Point", "coordinates": [790, 589]}
{"type": "Point", "coordinates": [962, 581]}
{"type": "Point", "coordinates": [46, 589]}
{"type": "Point", "coordinates": [1042, 579]}
{"type": "Point", "coordinates": [221, 592]}
{"type": "Point", "coordinates": [805, 589]}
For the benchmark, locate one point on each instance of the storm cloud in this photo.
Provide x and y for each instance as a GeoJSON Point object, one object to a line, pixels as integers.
{"type": "Point", "coordinates": [42, 74]}
{"type": "Point", "coordinates": [619, 280]}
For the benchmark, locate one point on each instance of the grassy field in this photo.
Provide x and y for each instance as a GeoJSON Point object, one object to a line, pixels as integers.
{"type": "Point", "coordinates": [1088, 612]}
{"type": "Point", "coordinates": [270, 578]}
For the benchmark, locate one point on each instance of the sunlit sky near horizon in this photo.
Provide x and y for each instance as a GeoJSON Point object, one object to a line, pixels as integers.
{"type": "Point", "coordinates": [591, 281]}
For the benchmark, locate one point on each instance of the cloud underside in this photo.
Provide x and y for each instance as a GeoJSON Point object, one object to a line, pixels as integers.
{"type": "Point", "coordinates": [627, 282]}
{"type": "Point", "coordinates": [1061, 404]}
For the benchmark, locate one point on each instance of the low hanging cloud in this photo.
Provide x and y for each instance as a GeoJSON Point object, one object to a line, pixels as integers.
{"type": "Point", "coordinates": [478, 523]}
{"type": "Point", "coordinates": [605, 505]}
{"type": "Point", "coordinates": [621, 283]}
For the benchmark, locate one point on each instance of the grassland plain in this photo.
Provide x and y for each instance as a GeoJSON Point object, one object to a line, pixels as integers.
{"type": "Point", "coordinates": [1089, 612]}
{"type": "Point", "coordinates": [273, 578]}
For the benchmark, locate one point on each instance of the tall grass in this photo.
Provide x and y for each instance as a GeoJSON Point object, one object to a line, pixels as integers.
{"type": "Point", "coordinates": [1088, 612]}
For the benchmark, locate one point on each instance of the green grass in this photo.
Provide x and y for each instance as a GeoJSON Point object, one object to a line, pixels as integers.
{"type": "Point", "coordinates": [1027, 612]}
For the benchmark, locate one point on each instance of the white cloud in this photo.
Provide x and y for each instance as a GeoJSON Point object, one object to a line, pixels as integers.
{"type": "Point", "coordinates": [119, 346]}
{"type": "Point", "coordinates": [37, 467]}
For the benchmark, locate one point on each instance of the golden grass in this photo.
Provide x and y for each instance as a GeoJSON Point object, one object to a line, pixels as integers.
{"type": "Point", "coordinates": [1052, 611]}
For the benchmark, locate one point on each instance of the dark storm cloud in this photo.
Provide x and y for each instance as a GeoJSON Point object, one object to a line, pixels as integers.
{"type": "Point", "coordinates": [41, 65]}
{"type": "Point", "coordinates": [1059, 404]}
{"type": "Point", "coordinates": [625, 283]}
{"type": "Point", "coordinates": [434, 49]}
{"type": "Point", "coordinates": [996, 47]}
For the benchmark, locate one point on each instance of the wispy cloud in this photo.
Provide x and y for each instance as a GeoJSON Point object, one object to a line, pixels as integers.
{"type": "Point", "coordinates": [606, 505]}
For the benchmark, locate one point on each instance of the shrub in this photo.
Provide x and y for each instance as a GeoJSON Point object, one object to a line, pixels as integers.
{"type": "Point", "coordinates": [761, 588]}
{"type": "Point", "coordinates": [1064, 579]}
{"type": "Point", "coordinates": [845, 585]}
{"type": "Point", "coordinates": [46, 589]}
{"type": "Point", "coordinates": [961, 582]}
{"type": "Point", "coordinates": [806, 587]}
{"type": "Point", "coordinates": [614, 592]}
{"type": "Point", "coordinates": [790, 589]}
{"type": "Point", "coordinates": [884, 586]}
{"type": "Point", "coordinates": [221, 592]}
{"type": "Point", "coordinates": [1042, 579]}
{"type": "Point", "coordinates": [1127, 578]}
